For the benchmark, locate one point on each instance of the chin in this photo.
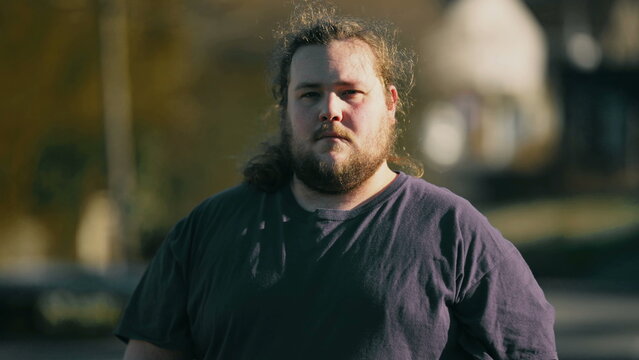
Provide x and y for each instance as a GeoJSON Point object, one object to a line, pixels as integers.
{"type": "Point", "coordinates": [333, 159]}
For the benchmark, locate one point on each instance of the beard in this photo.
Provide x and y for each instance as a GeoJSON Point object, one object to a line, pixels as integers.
{"type": "Point", "coordinates": [338, 177]}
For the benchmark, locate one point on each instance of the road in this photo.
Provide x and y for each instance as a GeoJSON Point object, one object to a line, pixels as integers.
{"type": "Point", "coordinates": [591, 325]}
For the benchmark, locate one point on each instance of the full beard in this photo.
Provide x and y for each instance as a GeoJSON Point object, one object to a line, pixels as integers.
{"type": "Point", "coordinates": [339, 177]}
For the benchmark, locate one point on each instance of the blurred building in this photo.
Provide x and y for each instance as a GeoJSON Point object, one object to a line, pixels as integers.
{"type": "Point", "coordinates": [533, 98]}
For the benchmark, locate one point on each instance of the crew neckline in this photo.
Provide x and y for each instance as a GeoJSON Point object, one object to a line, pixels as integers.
{"type": "Point", "coordinates": [339, 215]}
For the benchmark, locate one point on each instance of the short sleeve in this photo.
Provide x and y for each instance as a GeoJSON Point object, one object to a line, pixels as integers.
{"type": "Point", "coordinates": [505, 315]}
{"type": "Point", "coordinates": [156, 312]}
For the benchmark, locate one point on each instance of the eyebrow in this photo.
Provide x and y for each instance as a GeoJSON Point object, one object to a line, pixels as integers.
{"type": "Point", "coordinates": [305, 85]}
{"type": "Point", "coordinates": [314, 85]}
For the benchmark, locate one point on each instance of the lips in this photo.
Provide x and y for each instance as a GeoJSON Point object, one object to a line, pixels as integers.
{"type": "Point", "coordinates": [324, 133]}
{"type": "Point", "coordinates": [331, 135]}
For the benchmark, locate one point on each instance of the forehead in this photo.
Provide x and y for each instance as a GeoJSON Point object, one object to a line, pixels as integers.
{"type": "Point", "coordinates": [338, 61]}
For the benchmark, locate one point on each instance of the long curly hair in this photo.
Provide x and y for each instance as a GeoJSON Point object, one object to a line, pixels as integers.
{"type": "Point", "coordinates": [312, 23]}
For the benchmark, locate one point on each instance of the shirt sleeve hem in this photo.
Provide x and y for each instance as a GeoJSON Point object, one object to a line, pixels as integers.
{"type": "Point", "coordinates": [128, 336]}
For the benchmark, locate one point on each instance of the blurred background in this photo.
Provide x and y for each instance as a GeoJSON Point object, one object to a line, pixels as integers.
{"type": "Point", "coordinates": [117, 117]}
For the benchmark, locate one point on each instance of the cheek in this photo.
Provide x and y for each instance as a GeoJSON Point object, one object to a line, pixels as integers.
{"type": "Point", "coordinates": [297, 128]}
{"type": "Point", "coordinates": [363, 120]}
{"type": "Point", "coordinates": [373, 124]}
{"type": "Point", "coordinates": [300, 118]}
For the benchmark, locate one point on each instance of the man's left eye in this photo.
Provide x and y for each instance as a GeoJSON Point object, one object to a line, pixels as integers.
{"type": "Point", "coordinates": [351, 93]}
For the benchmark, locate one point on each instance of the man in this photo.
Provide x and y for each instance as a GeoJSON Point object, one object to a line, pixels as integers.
{"type": "Point", "coordinates": [324, 252]}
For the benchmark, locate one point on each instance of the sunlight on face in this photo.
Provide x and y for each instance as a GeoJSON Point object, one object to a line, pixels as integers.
{"type": "Point", "coordinates": [340, 126]}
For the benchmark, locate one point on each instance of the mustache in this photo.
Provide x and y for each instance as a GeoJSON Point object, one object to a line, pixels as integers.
{"type": "Point", "coordinates": [331, 130]}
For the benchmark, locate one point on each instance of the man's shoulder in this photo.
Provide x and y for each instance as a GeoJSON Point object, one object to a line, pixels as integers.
{"type": "Point", "coordinates": [443, 205]}
{"type": "Point", "coordinates": [225, 207]}
{"type": "Point", "coordinates": [425, 192]}
{"type": "Point", "coordinates": [453, 215]}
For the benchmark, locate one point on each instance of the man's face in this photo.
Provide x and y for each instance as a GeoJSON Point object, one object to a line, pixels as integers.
{"type": "Point", "coordinates": [340, 118]}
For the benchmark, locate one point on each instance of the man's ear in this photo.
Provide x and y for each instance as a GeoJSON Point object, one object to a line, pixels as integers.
{"type": "Point", "coordinates": [392, 98]}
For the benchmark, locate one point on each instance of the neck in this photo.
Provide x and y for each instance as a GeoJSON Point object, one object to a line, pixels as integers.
{"type": "Point", "coordinates": [312, 200]}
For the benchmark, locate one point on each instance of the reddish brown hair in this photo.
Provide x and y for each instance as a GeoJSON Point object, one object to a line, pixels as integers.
{"type": "Point", "coordinates": [313, 24]}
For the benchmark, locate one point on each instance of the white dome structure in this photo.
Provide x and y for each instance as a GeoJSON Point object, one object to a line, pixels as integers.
{"type": "Point", "coordinates": [486, 62]}
{"type": "Point", "coordinates": [486, 46]}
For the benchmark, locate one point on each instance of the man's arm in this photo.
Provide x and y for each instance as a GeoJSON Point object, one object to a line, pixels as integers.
{"type": "Point", "coordinates": [505, 314]}
{"type": "Point", "coordinates": [142, 350]}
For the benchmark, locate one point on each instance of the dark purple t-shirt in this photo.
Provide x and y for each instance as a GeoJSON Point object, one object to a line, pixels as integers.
{"type": "Point", "coordinates": [414, 273]}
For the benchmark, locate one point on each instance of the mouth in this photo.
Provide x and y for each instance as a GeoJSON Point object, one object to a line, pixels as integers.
{"type": "Point", "coordinates": [331, 132]}
{"type": "Point", "coordinates": [331, 135]}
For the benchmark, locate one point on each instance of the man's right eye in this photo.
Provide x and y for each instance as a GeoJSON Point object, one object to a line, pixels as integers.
{"type": "Point", "coordinates": [309, 95]}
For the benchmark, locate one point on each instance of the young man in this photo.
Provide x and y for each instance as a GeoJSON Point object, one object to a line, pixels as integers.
{"type": "Point", "coordinates": [325, 252]}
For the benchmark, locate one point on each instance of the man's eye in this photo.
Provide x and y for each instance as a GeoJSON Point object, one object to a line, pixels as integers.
{"type": "Point", "coordinates": [309, 95]}
{"type": "Point", "coordinates": [351, 93]}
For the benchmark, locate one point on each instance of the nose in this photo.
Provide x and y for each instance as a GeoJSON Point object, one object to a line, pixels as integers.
{"type": "Point", "coordinates": [331, 109]}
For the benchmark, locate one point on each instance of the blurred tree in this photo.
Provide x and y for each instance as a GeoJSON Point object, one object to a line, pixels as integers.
{"type": "Point", "coordinates": [50, 133]}
{"type": "Point", "coordinates": [200, 102]}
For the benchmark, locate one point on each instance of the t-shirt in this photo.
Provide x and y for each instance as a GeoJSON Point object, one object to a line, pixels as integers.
{"type": "Point", "coordinates": [413, 273]}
